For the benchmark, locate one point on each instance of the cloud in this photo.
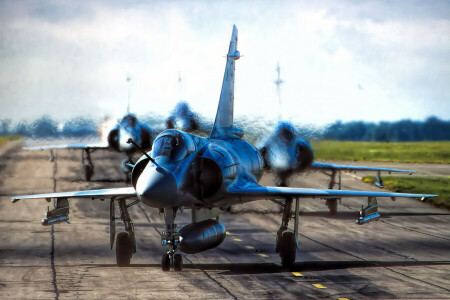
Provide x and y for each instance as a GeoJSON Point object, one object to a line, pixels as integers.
{"type": "Point", "coordinates": [72, 58]}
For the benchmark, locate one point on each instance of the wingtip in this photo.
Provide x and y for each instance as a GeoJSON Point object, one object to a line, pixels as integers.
{"type": "Point", "coordinates": [426, 197]}
{"type": "Point", "coordinates": [14, 200]}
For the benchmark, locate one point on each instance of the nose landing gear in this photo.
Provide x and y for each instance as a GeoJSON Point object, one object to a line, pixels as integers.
{"type": "Point", "coordinates": [170, 238]}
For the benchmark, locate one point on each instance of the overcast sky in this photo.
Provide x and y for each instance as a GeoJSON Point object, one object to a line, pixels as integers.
{"type": "Point", "coordinates": [347, 60]}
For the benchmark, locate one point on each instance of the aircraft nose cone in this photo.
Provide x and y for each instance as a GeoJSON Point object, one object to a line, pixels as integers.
{"type": "Point", "coordinates": [156, 187]}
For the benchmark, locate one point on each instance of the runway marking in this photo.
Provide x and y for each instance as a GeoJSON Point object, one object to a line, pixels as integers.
{"type": "Point", "coordinates": [319, 286]}
{"type": "Point", "coordinates": [237, 240]}
{"type": "Point", "coordinates": [263, 255]}
{"type": "Point", "coordinates": [249, 247]}
{"type": "Point", "coordinates": [343, 299]}
{"type": "Point", "coordinates": [297, 274]}
{"type": "Point", "coordinates": [227, 232]}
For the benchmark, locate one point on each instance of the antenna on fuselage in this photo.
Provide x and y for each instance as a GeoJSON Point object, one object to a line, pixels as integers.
{"type": "Point", "coordinates": [130, 141]}
{"type": "Point", "coordinates": [129, 92]}
{"type": "Point", "coordinates": [180, 87]}
{"type": "Point", "coordinates": [278, 83]}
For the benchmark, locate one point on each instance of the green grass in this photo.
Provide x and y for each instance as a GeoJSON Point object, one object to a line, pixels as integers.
{"type": "Point", "coordinates": [7, 138]}
{"type": "Point", "coordinates": [430, 185]}
{"type": "Point", "coordinates": [420, 152]}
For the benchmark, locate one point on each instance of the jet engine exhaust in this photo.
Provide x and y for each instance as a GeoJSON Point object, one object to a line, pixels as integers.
{"type": "Point", "coordinates": [201, 236]}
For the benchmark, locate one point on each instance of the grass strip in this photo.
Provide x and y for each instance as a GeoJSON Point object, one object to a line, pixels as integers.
{"type": "Point", "coordinates": [419, 185]}
{"type": "Point", "coordinates": [417, 152]}
{"type": "Point", "coordinates": [8, 138]}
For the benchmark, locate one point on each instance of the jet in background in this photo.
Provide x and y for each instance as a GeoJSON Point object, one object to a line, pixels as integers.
{"type": "Point", "coordinates": [126, 128]}
{"type": "Point", "coordinates": [202, 174]}
{"type": "Point", "coordinates": [286, 153]}
{"type": "Point", "coordinates": [183, 118]}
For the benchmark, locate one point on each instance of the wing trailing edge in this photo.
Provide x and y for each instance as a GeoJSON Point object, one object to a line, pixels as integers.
{"type": "Point", "coordinates": [326, 166]}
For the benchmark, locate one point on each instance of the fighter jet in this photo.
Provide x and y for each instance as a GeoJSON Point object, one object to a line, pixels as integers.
{"type": "Point", "coordinates": [183, 118]}
{"type": "Point", "coordinates": [202, 174]}
{"type": "Point", "coordinates": [285, 153]}
{"type": "Point", "coordinates": [128, 127]}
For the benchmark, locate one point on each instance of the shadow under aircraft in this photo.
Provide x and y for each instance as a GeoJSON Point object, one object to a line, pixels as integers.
{"type": "Point", "coordinates": [202, 174]}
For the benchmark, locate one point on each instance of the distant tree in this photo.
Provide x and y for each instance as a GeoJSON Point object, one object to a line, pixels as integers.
{"type": "Point", "coordinates": [433, 129]}
{"type": "Point", "coordinates": [80, 127]}
{"type": "Point", "coordinates": [22, 129]}
{"type": "Point", "coordinates": [44, 128]}
{"type": "Point", "coordinates": [4, 126]}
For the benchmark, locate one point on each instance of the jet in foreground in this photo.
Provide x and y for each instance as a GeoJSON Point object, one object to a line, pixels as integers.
{"type": "Point", "coordinates": [202, 174]}
{"type": "Point", "coordinates": [128, 127]}
{"type": "Point", "coordinates": [286, 153]}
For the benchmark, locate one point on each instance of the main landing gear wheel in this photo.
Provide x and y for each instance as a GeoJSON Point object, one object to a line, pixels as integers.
{"type": "Point", "coordinates": [124, 249]}
{"type": "Point", "coordinates": [88, 172]}
{"type": "Point", "coordinates": [287, 247]}
{"type": "Point", "coordinates": [177, 262]}
{"type": "Point", "coordinates": [165, 262]}
{"type": "Point", "coordinates": [332, 206]}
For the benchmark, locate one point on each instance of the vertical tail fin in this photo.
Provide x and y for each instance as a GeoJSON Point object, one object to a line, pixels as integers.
{"type": "Point", "coordinates": [224, 116]}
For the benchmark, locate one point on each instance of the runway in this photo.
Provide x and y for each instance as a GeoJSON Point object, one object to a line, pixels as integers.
{"type": "Point", "coordinates": [404, 255]}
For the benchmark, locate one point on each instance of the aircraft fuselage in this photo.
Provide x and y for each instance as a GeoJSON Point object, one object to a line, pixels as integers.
{"type": "Point", "coordinates": [196, 170]}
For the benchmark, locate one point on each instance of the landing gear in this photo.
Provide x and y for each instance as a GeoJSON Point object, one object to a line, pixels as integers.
{"type": "Point", "coordinates": [123, 249]}
{"type": "Point", "coordinates": [287, 247]}
{"type": "Point", "coordinates": [332, 205]}
{"type": "Point", "coordinates": [170, 238]}
{"type": "Point", "coordinates": [177, 262]}
{"type": "Point", "coordinates": [126, 240]}
{"type": "Point", "coordinates": [127, 168]}
{"type": "Point", "coordinates": [333, 202]}
{"type": "Point", "coordinates": [88, 166]}
{"type": "Point", "coordinates": [165, 262]}
{"type": "Point", "coordinates": [286, 244]}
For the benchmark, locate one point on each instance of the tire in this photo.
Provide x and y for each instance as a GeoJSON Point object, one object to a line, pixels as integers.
{"type": "Point", "coordinates": [88, 172]}
{"type": "Point", "coordinates": [177, 262]}
{"type": "Point", "coordinates": [332, 206]}
{"type": "Point", "coordinates": [165, 262]}
{"type": "Point", "coordinates": [123, 249]}
{"type": "Point", "coordinates": [288, 248]}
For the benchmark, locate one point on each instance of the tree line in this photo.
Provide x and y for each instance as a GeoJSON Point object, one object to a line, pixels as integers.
{"type": "Point", "coordinates": [432, 129]}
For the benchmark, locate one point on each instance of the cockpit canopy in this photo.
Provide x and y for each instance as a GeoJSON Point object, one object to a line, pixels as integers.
{"type": "Point", "coordinates": [130, 119]}
{"type": "Point", "coordinates": [173, 145]}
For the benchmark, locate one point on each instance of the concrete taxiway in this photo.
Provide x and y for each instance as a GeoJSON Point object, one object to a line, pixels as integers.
{"type": "Point", "coordinates": [404, 255]}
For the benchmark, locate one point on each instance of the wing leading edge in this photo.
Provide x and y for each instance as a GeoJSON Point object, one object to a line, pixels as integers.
{"type": "Point", "coordinates": [126, 192]}
{"type": "Point", "coordinates": [70, 146]}
{"type": "Point", "coordinates": [251, 192]}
